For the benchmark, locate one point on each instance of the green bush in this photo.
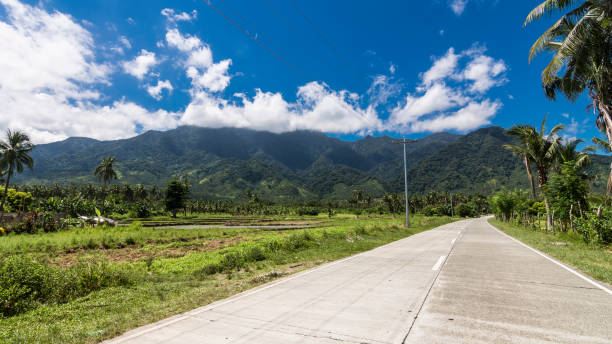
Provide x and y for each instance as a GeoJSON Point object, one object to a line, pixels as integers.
{"type": "Point", "coordinates": [466, 210]}
{"type": "Point", "coordinates": [594, 229]}
{"type": "Point", "coordinates": [23, 283]}
{"type": "Point", "coordinates": [140, 210]}
{"type": "Point", "coordinates": [26, 283]}
{"type": "Point", "coordinates": [307, 211]}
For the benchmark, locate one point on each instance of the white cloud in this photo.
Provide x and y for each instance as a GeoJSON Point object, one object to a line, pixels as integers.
{"type": "Point", "coordinates": [48, 78]}
{"type": "Point", "coordinates": [450, 96]}
{"type": "Point", "coordinates": [156, 91]}
{"type": "Point", "coordinates": [172, 15]}
{"type": "Point", "coordinates": [317, 108]}
{"type": "Point", "coordinates": [126, 42]}
{"type": "Point", "coordinates": [442, 68]}
{"type": "Point", "coordinates": [566, 115]}
{"type": "Point", "coordinates": [474, 115]}
{"type": "Point", "coordinates": [484, 72]}
{"type": "Point", "coordinates": [382, 89]}
{"type": "Point", "coordinates": [52, 85]}
{"type": "Point", "coordinates": [458, 6]}
{"type": "Point", "coordinates": [183, 43]}
{"type": "Point", "coordinates": [123, 43]}
{"type": "Point", "coordinates": [200, 57]}
{"type": "Point", "coordinates": [438, 97]}
{"type": "Point", "coordinates": [392, 69]}
{"type": "Point", "coordinates": [141, 64]}
{"type": "Point", "coordinates": [214, 79]}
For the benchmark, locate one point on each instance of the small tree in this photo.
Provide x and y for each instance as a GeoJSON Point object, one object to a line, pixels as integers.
{"type": "Point", "coordinates": [176, 195]}
{"type": "Point", "coordinates": [568, 191]}
{"type": "Point", "coordinates": [14, 155]}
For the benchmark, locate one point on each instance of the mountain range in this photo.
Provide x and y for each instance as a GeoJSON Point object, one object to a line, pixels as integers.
{"type": "Point", "coordinates": [224, 163]}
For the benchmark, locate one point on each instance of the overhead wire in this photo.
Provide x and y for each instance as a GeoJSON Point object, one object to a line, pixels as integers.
{"type": "Point", "coordinates": [246, 32]}
{"type": "Point", "coordinates": [323, 38]}
{"type": "Point", "coordinates": [296, 31]}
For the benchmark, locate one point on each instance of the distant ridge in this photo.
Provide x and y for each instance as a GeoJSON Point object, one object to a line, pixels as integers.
{"type": "Point", "coordinates": [224, 163]}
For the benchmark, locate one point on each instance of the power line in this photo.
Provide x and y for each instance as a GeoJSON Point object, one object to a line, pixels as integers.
{"type": "Point", "coordinates": [271, 51]}
{"type": "Point", "coordinates": [322, 37]}
{"type": "Point", "coordinates": [296, 31]}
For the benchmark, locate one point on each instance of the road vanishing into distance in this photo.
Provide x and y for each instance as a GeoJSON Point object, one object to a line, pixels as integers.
{"type": "Point", "coordinates": [463, 282]}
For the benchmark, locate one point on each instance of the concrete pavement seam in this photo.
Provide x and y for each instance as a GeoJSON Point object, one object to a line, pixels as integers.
{"type": "Point", "coordinates": [166, 322]}
{"type": "Point", "coordinates": [431, 286]}
{"type": "Point", "coordinates": [564, 266]}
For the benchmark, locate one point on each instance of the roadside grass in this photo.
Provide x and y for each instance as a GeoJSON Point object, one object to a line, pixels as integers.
{"type": "Point", "coordinates": [592, 259]}
{"type": "Point", "coordinates": [160, 287]}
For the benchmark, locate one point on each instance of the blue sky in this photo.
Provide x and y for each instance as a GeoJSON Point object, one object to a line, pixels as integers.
{"type": "Point", "coordinates": [112, 69]}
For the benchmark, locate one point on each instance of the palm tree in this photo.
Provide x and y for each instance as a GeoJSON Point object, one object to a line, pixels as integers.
{"type": "Point", "coordinates": [523, 133]}
{"type": "Point", "coordinates": [582, 46]}
{"type": "Point", "coordinates": [606, 147]}
{"type": "Point", "coordinates": [14, 156]}
{"type": "Point", "coordinates": [568, 152]}
{"type": "Point", "coordinates": [542, 150]}
{"type": "Point", "coordinates": [105, 172]}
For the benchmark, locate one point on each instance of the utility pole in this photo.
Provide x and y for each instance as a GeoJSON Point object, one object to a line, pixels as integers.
{"type": "Point", "coordinates": [452, 208]}
{"type": "Point", "coordinates": [403, 142]}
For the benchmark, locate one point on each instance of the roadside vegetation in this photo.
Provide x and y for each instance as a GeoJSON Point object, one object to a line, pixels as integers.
{"type": "Point", "coordinates": [67, 292]}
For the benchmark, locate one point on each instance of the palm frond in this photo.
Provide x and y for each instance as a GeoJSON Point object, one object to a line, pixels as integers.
{"type": "Point", "coordinates": [549, 7]}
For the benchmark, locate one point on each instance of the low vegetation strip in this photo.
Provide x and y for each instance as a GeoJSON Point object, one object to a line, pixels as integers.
{"type": "Point", "coordinates": [594, 259]}
{"type": "Point", "coordinates": [98, 298]}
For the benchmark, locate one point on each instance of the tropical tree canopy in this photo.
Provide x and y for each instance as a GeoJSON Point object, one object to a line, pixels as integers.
{"type": "Point", "coordinates": [581, 44]}
{"type": "Point", "coordinates": [14, 156]}
{"type": "Point", "coordinates": [105, 171]}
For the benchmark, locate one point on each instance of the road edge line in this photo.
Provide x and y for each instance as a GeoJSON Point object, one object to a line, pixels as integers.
{"type": "Point", "coordinates": [178, 317]}
{"type": "Point", "coordinates": [561, 264]}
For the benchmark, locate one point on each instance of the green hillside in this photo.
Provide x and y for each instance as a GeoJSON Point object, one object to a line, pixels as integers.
{"type": "Point", "coordinates": [223, 163]}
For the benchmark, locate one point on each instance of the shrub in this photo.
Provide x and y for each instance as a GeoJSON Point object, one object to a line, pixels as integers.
{"type": "Point", "coordinates": [307, 211]}
{"type": "Point", "coordinates": [141, 210]}
{"type": "Point", "coordinates": [255, 254]}
{"type": "Point", "coordinates": [594, 229]}
{"type": "Point", "coordinates": [466, 210]}
{"type": "Point", "coordinates": [26, 283]}
{"type": "Point", "coordinates": [23, 283]}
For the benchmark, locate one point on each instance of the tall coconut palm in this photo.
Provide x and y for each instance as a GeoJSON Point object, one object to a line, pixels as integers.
{"type": "Point", "coordinates": [14, 156]}
{"type": "Point", "coordinates": [523, 133]}
{"type": "Point", "coordinates": [106, 172]}
{"type": "Point", "coordinates": [581, 43]}
{"type": "Point", "coordinates": [542, 150]}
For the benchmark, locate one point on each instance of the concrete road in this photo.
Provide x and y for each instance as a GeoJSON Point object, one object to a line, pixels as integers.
{"type": "Point", "coordinates": [464, 282]}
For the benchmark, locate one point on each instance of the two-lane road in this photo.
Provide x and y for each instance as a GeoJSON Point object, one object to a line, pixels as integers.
{"type": "Point", "coordinates": [459, 283]}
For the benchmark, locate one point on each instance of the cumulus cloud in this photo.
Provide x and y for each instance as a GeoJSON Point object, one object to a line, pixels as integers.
{"type": "Point", "coordinates": [141, 64]}
{"type": "Point", "coordinates": [442, 68]}
{"type": "Point", "coordinates": [156, 91]}
{"type": "Point", "coordinates": [451, 94]}
{"type": "Point", "coordinates": [317, 108]}
{"type": "Point", "coordinates": [458, 6]}
{"type": "Point", "coordinates": [52, 83]}
{"type": "Point", "coordinates": [48, 80]}
{"type": "Point", "coordinates": [172, 15]}
{"type": "Point", "coordinates": [187, 43]}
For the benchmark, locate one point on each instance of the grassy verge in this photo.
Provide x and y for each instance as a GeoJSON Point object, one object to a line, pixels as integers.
{"type": "Point", "coordinates": [158, 286]}
{"type": "Point", "coordinates": [592, 259]}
